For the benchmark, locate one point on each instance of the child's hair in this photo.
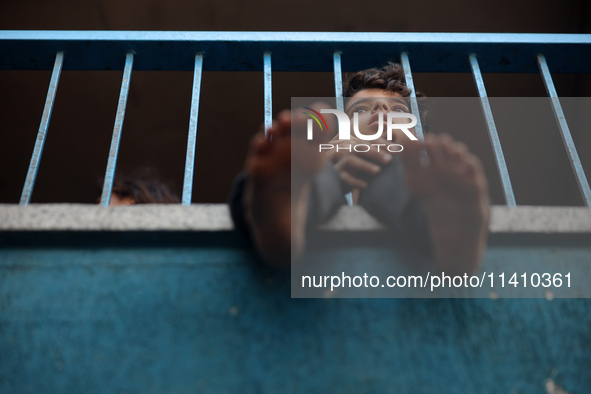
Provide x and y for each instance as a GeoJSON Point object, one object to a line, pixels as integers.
{"type": "Point", "coordinates": [390, 78]}
{"type": "Point", "coordinates": [144, 187]}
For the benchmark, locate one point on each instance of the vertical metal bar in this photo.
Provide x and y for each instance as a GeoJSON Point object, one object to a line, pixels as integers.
{"type": "Point", "coordinates": [338, 91]}
{"type": "Point", "coordinates": [192, 139]}
{"type": "Point", "coordinates": [414, 105]}
{"type": "Point", "coordinates": [42, 133]}
{"type": "Point", "coordinates": [569, 144]}
{"type": "Point", "coordinates": [116, 139]}
{"type": "Point", "coordinates": [338, 80]}
{"type": "Point", "coordinates": [492, 132]}
{"type": "Point", "coordinates": [268, 92]}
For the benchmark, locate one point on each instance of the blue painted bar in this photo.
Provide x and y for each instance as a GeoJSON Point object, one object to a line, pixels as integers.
{"type": "Point", "coordinates": [414, 105]}
{"type": "Point", "coordinates": [569, 144]}
{"type": "Point", "coordinates": [192, 139]}
{"type": "Point", "coordinates": [293, 36]}
{"type": "Point", "coordinates": [338, 80]}
{"type": "Point", "coordinates": [338, 89]}
{"type": "Point", "coordinates": [268, 91]}
{"type": "Point", "coordinates": [240, 51]}
{"type": "Point", "coordinates": [116, 139]}
{"type": "Point", "coordinates": [492, 132]}
{"type": "Point", "coordinates": [42, 133]}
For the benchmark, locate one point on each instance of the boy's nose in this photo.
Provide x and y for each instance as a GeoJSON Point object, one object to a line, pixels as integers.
{"type": "Point", "coordinates": [380, 106]}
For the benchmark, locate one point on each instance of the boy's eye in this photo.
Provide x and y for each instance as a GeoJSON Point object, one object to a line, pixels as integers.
{"type": "Point", "coordinates": [401, 109]}
{"type": "Point", "coordinates": [360, 109]}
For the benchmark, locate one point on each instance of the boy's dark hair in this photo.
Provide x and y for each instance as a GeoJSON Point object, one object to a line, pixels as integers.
{"type": "Point", "coordinates": [144, 187]}
{"type": "Point", "coordinates": [390, 78]}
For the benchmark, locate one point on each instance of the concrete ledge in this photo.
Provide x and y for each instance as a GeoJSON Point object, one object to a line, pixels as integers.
{"type": "Point", "coordinates": [216, 217]}
{"type": "Point", "coordinates": [84, 217]}
{"type": "Point", "coordinates": [540, 219]}
{"type": "Point", "coordinates": [523, 219]}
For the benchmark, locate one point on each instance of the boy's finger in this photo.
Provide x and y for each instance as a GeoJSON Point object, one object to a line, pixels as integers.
{"type": "Point", "coordinates": [382, 156]}
{"type": "Point", "coordinates": [434, 150]}
{"type": "Point", "coordinates": [355, 164]}
{"type": "Point", "coordinates": [353, 182]}
{"type": "Point", "coordinates": [284, 116]}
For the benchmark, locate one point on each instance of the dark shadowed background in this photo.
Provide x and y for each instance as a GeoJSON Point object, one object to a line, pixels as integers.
{"type": "Point", "coordinates": [231, 111]}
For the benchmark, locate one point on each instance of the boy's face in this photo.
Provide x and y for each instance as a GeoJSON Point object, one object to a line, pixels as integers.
{"type": "Point", "coordinates": [369, 102]}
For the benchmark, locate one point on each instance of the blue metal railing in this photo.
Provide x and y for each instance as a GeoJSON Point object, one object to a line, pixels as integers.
{"type": "Point", "coordinates": [294, 51]}
{"type": "Point", "coordinates": [192, 140]}
{"type": "Point", "coordinates": [492, 131]}
{"type": "Point", "coordinates": [40, 143]}
{"type": "Point", "coordinates": [115, 141]}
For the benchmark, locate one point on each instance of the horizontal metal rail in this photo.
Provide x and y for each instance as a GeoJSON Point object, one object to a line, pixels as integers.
{"type": "Point", "coordinates": [292, 51]}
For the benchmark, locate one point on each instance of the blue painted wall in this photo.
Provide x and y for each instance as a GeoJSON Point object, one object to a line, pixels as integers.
{"type": "Point", "coordinates": [120, 317]}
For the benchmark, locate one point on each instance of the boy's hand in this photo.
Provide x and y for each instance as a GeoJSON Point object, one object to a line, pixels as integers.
{"type": "Point", "coordinates": [357, 168]}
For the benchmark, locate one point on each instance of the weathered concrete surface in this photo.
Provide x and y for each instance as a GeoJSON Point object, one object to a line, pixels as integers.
{"type": "Point", "coordinates": [85, 217]}
{"type": "Point", "coordinates": [215, 217]}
